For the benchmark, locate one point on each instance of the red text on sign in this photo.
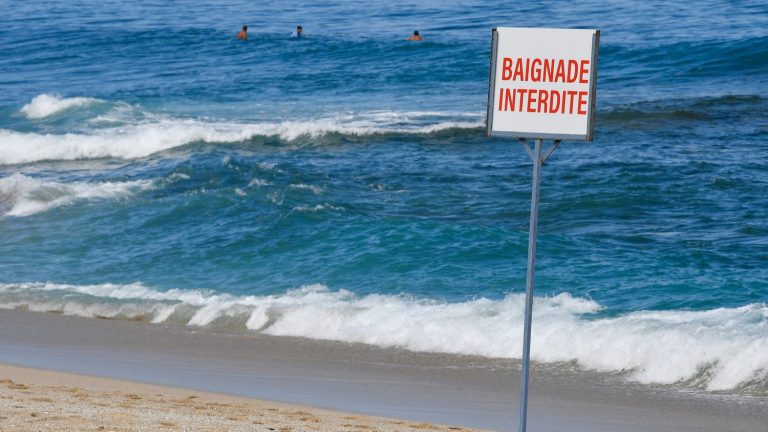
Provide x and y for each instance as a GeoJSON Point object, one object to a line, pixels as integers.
{"type": "Point", "coordinates": [543, 101]}
{"type": "Point", "coordinates": [545, 70]}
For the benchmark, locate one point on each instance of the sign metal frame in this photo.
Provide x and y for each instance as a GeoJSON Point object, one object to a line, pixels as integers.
{"type": "Point", "coordinates": [511, 134]}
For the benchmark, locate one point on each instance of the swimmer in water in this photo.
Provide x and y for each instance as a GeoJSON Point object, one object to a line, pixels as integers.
{"type": "Point", "coordinates": [297, 33]}
{"type": "Point", "coordinates": [243, 34]}
{"type": "Point", "coordinates": [416, 36]}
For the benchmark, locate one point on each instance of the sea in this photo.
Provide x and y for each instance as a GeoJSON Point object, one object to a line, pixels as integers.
{"type": "Point", "coordinates": [339, 186]}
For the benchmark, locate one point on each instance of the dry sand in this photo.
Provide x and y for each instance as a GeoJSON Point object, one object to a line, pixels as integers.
{"type": "Point", "coordinates": [40, 400]}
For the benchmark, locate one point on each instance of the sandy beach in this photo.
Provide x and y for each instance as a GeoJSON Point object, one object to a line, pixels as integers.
{"type": "Point", "coordinates": [34, 400]}
{"type": "Point", "coordinates": [427, 389]}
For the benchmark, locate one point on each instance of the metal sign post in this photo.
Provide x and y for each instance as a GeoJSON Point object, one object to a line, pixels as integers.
{"type": "Point", "coordinates": [538, 161]}
{"type": "Point", "coordinates": [541, 85]}
{"type": "Point", "coordinates": [529, 284]}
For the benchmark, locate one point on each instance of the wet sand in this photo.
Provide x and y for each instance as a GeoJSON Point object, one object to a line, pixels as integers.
{"type": "Point", "coordinates": [442, 389]}
{"type": "Point", "coordinates": [34, 400]}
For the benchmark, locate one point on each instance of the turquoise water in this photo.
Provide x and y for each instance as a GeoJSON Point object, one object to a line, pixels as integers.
{"type": "Point", "coordinates": [153, 167]}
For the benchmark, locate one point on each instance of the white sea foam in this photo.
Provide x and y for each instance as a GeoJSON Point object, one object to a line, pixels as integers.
{"type": "Point", "coordinates": [317, 190]}
{"type": "Point", "coordinates": [46, 105]}
{"type": "Point", "coordinates": [258, 183]}
{"type": "Point", "coordinates": [143, 138]}
{"type": "Point", "coordinates": [268, 166]}
{"type": "Point", "coordinates": [316, 208]}
{"type": "Point", "coordinates": [127, 142]}
{"type": "Point", "coordinates": [722, 348]}
{"type": "Point", "coordinates": [178, 177]}
{"type": "Point", "coordinates": [21, 195]}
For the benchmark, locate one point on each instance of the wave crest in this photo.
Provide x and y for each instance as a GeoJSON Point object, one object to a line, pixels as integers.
{"type": "Point", "coordinates": [46, 105]}
{"type": "Point", "coordinates": [23, 196]}
{"type": "Point", "coordinates": [136, 140]}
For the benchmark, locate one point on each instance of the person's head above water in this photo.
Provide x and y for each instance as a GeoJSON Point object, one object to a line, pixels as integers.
{"type": "Point", "coordinates": [416, 36]}
{"type": "Point", "coordinates": [299, 29]}
{"type": "Point", "coordinates": [242, 34]}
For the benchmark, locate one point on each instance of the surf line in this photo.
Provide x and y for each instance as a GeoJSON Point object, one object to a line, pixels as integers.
{"type": "Point", "coordinates": [538, 70]}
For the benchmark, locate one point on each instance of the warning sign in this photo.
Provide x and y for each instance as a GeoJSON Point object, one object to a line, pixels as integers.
{"type": "Point", "coordinates": [542, 83]}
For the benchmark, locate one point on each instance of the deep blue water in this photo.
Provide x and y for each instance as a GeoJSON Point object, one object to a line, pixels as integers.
{"type": "Point", "coordinates": [353, 159]}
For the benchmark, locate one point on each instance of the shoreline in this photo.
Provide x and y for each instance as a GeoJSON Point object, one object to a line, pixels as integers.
{"type": "Point", "coordinates": [466, 391]}
{"type": "Point", "coordinates": [31, 399]}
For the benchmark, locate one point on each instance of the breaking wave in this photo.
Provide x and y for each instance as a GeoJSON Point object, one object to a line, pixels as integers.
{"type": "Point", "coordinates": [46, 105]}
{"type": "Point", "coordinates": [21, 195]}
{"type": "Point", "coordinates": [130, 138]}
{"type": "Point", "coordinates": [718, 349]}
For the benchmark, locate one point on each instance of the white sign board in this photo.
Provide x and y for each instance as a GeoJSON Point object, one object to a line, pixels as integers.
{"type": "Point", "coordinates": [542, 83]}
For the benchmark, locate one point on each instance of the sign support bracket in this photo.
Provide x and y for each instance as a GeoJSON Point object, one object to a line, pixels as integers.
{"type": "Point", "coordinates": [551, 150]}
{"type": "Point", "coordinates": [547, 154]}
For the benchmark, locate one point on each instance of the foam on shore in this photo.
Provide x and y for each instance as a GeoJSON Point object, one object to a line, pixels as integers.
{"type": "Point", "coordinates": [718, 349]}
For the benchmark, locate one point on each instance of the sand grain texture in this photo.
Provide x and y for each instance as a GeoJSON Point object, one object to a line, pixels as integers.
{"type": "Point", "coordinates": [39, 400]}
